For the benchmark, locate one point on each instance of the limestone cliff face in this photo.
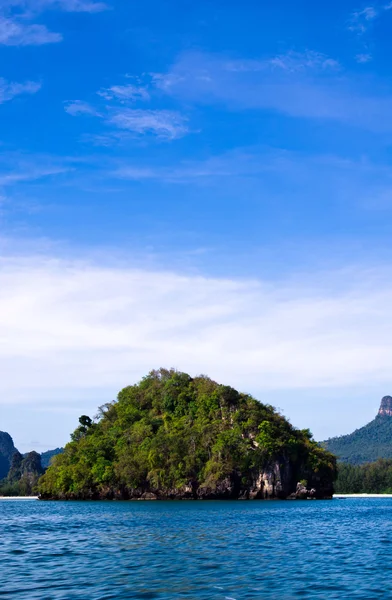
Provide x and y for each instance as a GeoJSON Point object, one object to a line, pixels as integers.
{"type": "Point", "coordinates": [386, 406]}
{"type": "Point", "coordinates": [7, 450]}
{"type": "Point", "coordinates": [276, 481]}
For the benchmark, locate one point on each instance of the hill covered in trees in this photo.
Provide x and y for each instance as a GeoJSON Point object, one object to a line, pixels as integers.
{"type": "Point", "coordinates": [46, 457]}
{"type": "Point", "coordinates": [369, 443]}
{"type": "Point", "coordinates": [174, 436]}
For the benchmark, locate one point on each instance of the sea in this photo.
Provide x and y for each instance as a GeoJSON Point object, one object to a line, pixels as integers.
{"type": "Point", "coordinates": [229, 550]}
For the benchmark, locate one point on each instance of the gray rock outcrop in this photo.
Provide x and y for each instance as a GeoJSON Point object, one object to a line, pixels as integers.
{"type": "Point", "coordinates": [386, 406]}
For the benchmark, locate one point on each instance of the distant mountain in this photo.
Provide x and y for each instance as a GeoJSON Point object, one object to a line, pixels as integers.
{"type": "Point", "coordinates": [23, 474]}
{"type": "Point", "coordinates": [47, 456]}
{"type": "Point", "coordinates": [7, 450]}
{"type": "Point", "coordinates": [369, 443]}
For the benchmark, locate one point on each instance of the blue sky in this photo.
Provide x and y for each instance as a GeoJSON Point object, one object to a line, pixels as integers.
{"type": "Point", "coordinates": [204, 186]}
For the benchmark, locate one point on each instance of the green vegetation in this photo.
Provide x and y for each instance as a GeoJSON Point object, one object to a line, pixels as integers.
{"type": "Point", "coordinates": [370, 478]}
{"type": "Point", "coordinates": [23, 475]}
{"type": "Point", "coordinates": [174, 436]}
{"type": "Point", "coordinates": [46, 457]}
{"type": "Point", "coordinates": [364, 445]}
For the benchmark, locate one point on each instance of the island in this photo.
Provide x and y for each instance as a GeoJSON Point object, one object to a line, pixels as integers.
{"type": "Point", "coordinates": [172, 436]}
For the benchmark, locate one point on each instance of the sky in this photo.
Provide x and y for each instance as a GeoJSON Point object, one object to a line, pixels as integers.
{"type": "Point", "coordinates": [205, 186]}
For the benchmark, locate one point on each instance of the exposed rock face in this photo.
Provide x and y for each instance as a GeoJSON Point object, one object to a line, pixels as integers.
{"type": "Point", "coordinates": [386, 406]}
{"type": "Point", "coordinates": [174, 436]}
{"type": "Point", "coordinates": [25, 472]}
{"type": "Point", "coordinates": [277, 481]}
{"type": "Point", "coordinates": [15, 472]}
{"type": "Point", "coordinates": [28, 467]}
{"type": "Point", "coordinates": [7, 450]}
{"type": "Point", "coordinates": [303, 493]}
{"type": "Point", "coordinates": [31, 465]}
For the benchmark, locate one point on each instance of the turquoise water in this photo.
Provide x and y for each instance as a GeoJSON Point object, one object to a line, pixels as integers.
{"type": "Point", "coordinates": [182, 550]}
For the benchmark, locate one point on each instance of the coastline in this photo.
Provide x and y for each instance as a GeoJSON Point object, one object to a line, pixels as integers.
{"type": "Point", "coordinates": [18, 497]}
{"type": "Point", "coordinates": [337, 496]}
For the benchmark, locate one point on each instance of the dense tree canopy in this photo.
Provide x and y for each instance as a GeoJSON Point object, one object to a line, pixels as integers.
{"type": "Point", "coordinates": [171, 431]}
{"type": "Point", "coordinates": [370, 478]}
{"type": "Point", "coordinates": [369, 443]}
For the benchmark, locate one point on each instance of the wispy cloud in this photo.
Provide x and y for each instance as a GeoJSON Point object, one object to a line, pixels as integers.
{"type": "Point", "coordinates": [35, 6]}
{"type": "Point", "coordinates": [360, 20]}
{"type": "Point", "coordinates": [88, 6]}
{"type": "Point", "coordinates": [363, 58]}
{"type": "Point", "coordinates": [15, 29]}
{"type": "Point", "coordinates": [73, 325]}
{"type": "Point", "coordinates": [125, 121]}
{"type": "Point", "coordinates": [290, 62]}
{"type": "Point", "coordinates": [229, 165]}
{"type": "Point", "coordinates": [164, 124]}
{"type": "Point", "coordinates": [276, 176]}
{"type": "Point", "coordinates": [77, 108]}
{"type": "Point", "coordinates": [9, 89]}
{"type": "Point", "coordinates": [30, 174]}
{"type": "Point", "coordinates": [16, 33]}
{"type": "Point", "coordinates": [17, 168]}
{"type": "Point", "coordinates": [125, 93]}
{"type": "Point", "coordinates": [322, 94]}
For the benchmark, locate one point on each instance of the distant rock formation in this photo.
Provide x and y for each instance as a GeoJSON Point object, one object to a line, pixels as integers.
{"type": "Point", "coordinates": [7, 450]}
{"type": "Point", "coordinates": [15, 466]}
{"type": "Point", "coordinates": [46, 457]}
{"type": "Point", "coordinates": [386, 406]}
{"type": "Point", "coordinates": [369, 443]}
{"type": "Point", "coordinates": [25, 472]}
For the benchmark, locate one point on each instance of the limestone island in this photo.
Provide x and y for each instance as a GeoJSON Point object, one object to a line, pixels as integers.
{"type": "Point", "coordinates": [172, 436]}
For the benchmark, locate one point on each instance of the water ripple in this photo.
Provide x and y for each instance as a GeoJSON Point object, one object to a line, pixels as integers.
{"type": "Point", "coordinates": [196, 550]}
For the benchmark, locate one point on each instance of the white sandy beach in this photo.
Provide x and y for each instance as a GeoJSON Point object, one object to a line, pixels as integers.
{"type": "Point", "coordinates": [337, 496]}
{"type": "Point", "coordinates": [18, 497]}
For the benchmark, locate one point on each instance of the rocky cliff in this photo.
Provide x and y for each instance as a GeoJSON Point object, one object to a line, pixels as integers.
{"type": "Point", "coordinates": [24, 473]}
{"type": "Point", "coordinates": [174, 436]}
{"type": "Point", "coordinates": [7, 450]}
{"type": "Point", "coordinates": [386, 406]}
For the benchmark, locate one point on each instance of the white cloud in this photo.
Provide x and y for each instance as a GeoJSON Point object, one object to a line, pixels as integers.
{"type": "Point", "coordinates": [35, 6]}
{"type": "Point", "coordinates": [88, 6]}
{"type": "Point", "coordinates": [165, 124]}
{"type": "Point", "coordinates": [75, 326]}
{"type": "Point", "coordinates": [9, 89]}
{"type": "Point", "coordinates": [125, 93]}
{"type": "Point", "coordinates": [125, 122]}
{"type": "Point", "coordinates": [239, 162]}
{"type": "Point", "coordinates": [15, 30]}
{"type": "Point", "coordinates": [212, 79]}
{"type": "Point", "coordinates": [30, 173]}
{"type": "Point", "coordinates": [290, 62]}
{"type": "Point", "coordinates": [361, 19]}
{"type": "Point", "coordinates": [78, 108]}
{"type": "Point", "coordinates": [18, 168]}
{"type": "Point", "coordinates": [14, 33]}
{"type": "Point", "coordinates": [363, 58]}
